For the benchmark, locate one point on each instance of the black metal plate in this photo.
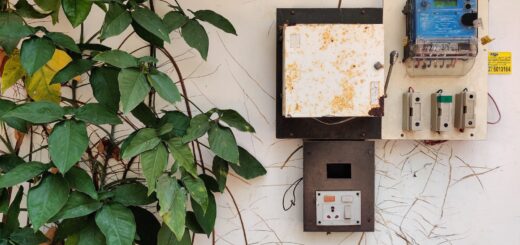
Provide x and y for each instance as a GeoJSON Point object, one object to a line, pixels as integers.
{"type": "Point", "coordinates": [308, 128]}
{"type": "Point", "coordinates": [317, 154]}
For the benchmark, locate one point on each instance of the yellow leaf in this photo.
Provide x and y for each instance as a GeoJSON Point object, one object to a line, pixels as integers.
{"type": "Point", "coordinates": [13, 71]}
{"type": "Point", "coordinates": [38, 85]}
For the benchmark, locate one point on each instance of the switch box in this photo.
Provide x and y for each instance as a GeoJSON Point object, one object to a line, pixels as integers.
{"type": "Point", "coordinates": [412, 112]}
{"type": "Point", "coordinates": [338, 208]}
{"type": "Point", "coordinates": [465, 104]}
{"type": "Point", "coordinates": [338, 183]}
{"type": "Point", "coordinates": [441, 112]}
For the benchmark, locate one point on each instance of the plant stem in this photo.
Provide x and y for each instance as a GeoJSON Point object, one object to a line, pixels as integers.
{"type": "Point", "coordinates": [82, 33]}
{"type": "Point", "coordinates": [7, 142]}
{"type": "Point", "coordinates": [93, 36]}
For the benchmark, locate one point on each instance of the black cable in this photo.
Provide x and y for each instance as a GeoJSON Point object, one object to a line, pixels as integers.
{"type": "Point", "coordinates": [293, 201]}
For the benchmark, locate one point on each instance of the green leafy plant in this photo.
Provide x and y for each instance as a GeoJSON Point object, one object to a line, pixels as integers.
{"type": "Point", "coordinates": [106, 178]}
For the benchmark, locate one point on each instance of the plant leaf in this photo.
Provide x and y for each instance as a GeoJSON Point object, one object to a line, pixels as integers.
{"type": "Point", "coordinates": [175, 218]}
{"type": "Point", "coordinates": [11, 217]}
{"type": "Point", "coordinates": [72, 70]}
{"type": "Point", "coordinates": [206, 219]}
{"type": "Point", "coordinates": [133, 88]}
{"type": "Point", "coordinates": [223, 143]}
{"type": "Point", "coordinates": [166, 188]}
{"type": "Point", "coordinates": [117, 223]}
{"type": "Point", "coordinates": [76, 10]}
{"type": "Point", "coordinates": [183, 155]}
{"type": "Point", "coordinates": [77, 205]}
{"type": "Point", "coordinates": [144, 114]}
{"type": "Point", "coordinates": [174, 20]}
{"type": "Point", "coordinates": [192, 224]}
{"type": "Point", "coordinates": [153, 163]}
{"type": "Point", "coordinates": [26, 236]}
{"type": "Point", "coordinates": [105, 87]}
{"type": "Point", "coordinates": [147, 225]}
{"type": "Point", "coordinates": [91, 235]}
{"type": "Point", "coordinates": [69, 227]}
{"type": "Point", "coordinates": [13, 71]}
{"type": "Point", "coordinates": [146, 35]}
{"type": "Point", "coordinates": [67, 143]}
{"type": "Point", "coordinates": [210, 182]}
{"type": "Point", "coordinates": [145, 139]}
{"type": "Point", "coordinates": [12, 30]}
{"type": "Point", "coordinates": [133, 194]}
{"type": "Point", "coordinates": [166, 237]}
{"type": "Point", "coordinates": [249, 167]}
{"type": "Point", "coordinates": [117, 19]}
{"type": "Point", "coordinates": [38, 85]}
{"type": "Point", "coordinates": [220, 170]}
{"type": "Point", "coordinates": [196, 37]}
{"type": "Point", "coordinates": [81, 181]}
{"type": "Point", "coordinates": [46, 200]}
{"type": "Point", "coordinates": [48, 5]}
{"type": "Point", "coordinates": [197, 190]}
{"type": "Point", "coordinates": [35, 53]}
{"type": "Point", "coordinates": [235, 120]}
{"type": "Point", "coordinates": [63, 41]}
{"type": "Point", "coordinates": [151, 23]}
{"type": "Point", "coordinates": [24, 9]}
{"type": "Point", "coordinates": [97, 114]}
{"type": "Point", "coordinates": [179, 121]}
{"type": "Point", "coordinates": [10, 161]}
{"type": "Point", "coordinates": [164, 86]}
{"type": "Point", "coordinates": [16, 123]}
{"type": "Point", "coordinates": [22, 173]}
{"type": "Point", "coordinates": [199, 125]}
{"type": "Point", "coordinates": [215, 19]}
{"type": "Point", "coordinates": [117, 58]}
{"type": "Point", "coordinates": [37, 112]}
{"type": "Point", "coordinates": [148, 60]}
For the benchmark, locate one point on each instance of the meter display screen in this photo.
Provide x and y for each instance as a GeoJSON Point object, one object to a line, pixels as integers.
{"type": "Point", "coordinates": [444, 3]}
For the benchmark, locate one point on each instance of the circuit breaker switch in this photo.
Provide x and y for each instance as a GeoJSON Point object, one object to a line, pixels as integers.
{"type": "Point", "coordinates": [441, 111]}
{"type": "Point", "coordinates": [347, 212]}
{"type": "Point", "coordinates": [412, 112]}
{"type": "Point", "coordinates": [465, 103]}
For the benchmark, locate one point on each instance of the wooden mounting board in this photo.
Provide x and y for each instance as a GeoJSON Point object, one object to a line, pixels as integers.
{"type": "Point", "coordinates": [475, 80]}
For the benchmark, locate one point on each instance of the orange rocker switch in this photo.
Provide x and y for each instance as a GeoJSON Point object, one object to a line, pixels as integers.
{"type": "Point", "coordinates": [329, 198]}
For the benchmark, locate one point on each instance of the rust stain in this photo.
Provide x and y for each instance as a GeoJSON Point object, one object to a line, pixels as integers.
{"type": "Point", "coordinates": [378, 111]}
{"type": "Point", "coordinates": [291, 75]}
{"type": "Point", "coordinates": [327, 39]}
{"type": "Point", "coordinates": [344, 101]}
{"type": "Point", "coordinates": [297, 108]}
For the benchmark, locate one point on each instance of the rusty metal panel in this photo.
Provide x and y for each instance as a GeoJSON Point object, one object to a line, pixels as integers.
{"type": "Point", "coordinates": [360, 157]}
{"type": "Point", "coordinates": [309, 128]}
{"type": "Point", "coordinates": [329, 70]}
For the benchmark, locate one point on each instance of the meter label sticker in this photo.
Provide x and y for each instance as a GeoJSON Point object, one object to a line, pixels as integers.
{"type": "Point", "coordinates": [500, 63]}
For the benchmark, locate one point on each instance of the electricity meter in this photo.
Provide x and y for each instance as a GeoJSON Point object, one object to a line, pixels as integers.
{"type": "Point", "coordinates": [442, 37]}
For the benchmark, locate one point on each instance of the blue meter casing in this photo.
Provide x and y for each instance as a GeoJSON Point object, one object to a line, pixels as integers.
{"type": "Point", "coordinates": [442, 37]}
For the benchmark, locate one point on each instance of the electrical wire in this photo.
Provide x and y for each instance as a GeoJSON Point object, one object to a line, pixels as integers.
{"type": "Point", "coordinates": [498, 111]}
{"type": "Point", "coordinates": [293, 186]}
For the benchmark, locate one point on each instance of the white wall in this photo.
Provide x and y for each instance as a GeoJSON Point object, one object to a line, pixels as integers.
{"type": "Point", "coordinates": [419, 196]}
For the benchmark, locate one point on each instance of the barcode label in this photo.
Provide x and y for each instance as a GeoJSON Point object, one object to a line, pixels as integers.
{"type": "Point", "coordinates": [500, 63]}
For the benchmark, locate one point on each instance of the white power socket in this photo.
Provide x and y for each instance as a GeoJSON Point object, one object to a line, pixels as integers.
{"type": "Point", "coordinates": [338, 208]}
